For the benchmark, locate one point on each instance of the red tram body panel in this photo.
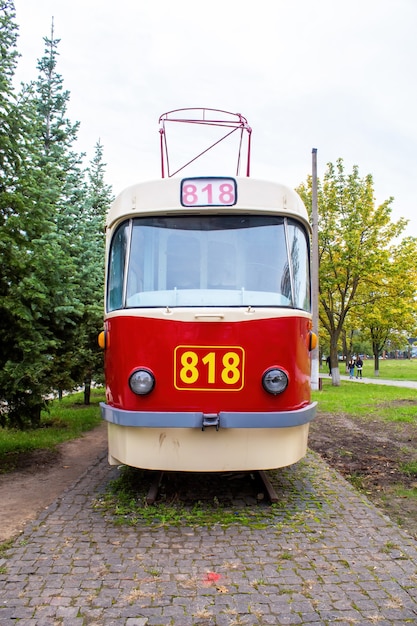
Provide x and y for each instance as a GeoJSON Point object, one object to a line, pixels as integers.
{"type": "Point", "coordinates": [207, 386]}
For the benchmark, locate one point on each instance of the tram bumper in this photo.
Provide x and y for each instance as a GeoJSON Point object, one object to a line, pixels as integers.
{"type": "Point", "coordinates": [200, 420]}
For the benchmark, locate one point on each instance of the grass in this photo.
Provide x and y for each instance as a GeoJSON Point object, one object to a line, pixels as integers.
{"type": "Point", "coordinates": [67, 419]}
{"type": "Point", "coordinates": [403, 492]}
{"type": "Point", "coordinates": [393, 404]}
{"type": "Point", "coordinates": [126, 499]}
{"type": "Point", "coordinates": [391, 369]}
{"type": "Point", "coordinates": [410, 468]}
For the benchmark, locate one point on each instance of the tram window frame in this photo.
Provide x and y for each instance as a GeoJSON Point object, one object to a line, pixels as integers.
{"type": "Point", "coordinates": [300, 269]}
{"type": "Point", "coordinates": [154, 255]}
{"type": "Point", "coordinates": [116, 270]}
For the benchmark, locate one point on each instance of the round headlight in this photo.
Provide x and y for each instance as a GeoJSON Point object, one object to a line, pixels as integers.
{"type": "Point", "coordinates": [142, 382]}
{"type": "Point", "coordinates": [275, 381]}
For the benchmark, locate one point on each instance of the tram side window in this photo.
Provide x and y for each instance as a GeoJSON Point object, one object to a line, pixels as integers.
{"type": "Point", "coordinates": [117, 260]}
{"type": "Point", "coordinates": [135, 276]}
{"type": "Point", "coordinates": [300, 266]}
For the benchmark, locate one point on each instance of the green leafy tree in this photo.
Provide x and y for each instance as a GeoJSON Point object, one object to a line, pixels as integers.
{"type": "Point", "coordinates": [354, 247]}
{"type": "Point", "coordinates": [390, 307]}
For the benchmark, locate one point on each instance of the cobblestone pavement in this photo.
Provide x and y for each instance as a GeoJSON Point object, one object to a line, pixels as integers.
{"type": "Point", "coordinates": [327, 556]}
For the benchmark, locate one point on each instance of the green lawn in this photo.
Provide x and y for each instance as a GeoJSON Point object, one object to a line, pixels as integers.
{"type": "Point", "coordinates": [394, 404]}
{"type": "Point", "coordinates": [67, 419]}
{"type": "Point", "coordinates": [392, 369]}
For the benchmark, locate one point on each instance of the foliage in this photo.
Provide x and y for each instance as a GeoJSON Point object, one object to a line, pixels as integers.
{"type": "Point", "coordinates": [390, 314]}
{"type": "Point", "coordinates": [23, 230]}
{"type": "Point", "coordinates": [57, 136]}
{"type": "Point", "coordinates": [359, 264]}
{"type": "Point", "coordinates": [51, 240]}
{"type": "Point", "coordinates": [88, 362]}
{"type": "Point", "coordinates": [10, 132]}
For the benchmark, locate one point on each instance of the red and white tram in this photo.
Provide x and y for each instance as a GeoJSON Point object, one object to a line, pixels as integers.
{"type": "Point", "coordinates": [207, 325]}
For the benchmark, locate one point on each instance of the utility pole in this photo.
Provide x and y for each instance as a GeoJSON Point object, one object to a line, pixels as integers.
{"type": "Point", "coordinates": [315, 365]}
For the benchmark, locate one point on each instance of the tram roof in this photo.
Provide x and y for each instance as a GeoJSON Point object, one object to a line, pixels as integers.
{"type": "Point", "coordinates": [162, 196]}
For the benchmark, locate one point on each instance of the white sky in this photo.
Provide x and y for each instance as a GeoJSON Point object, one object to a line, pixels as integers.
{"type": "Point", "coordinates": [336, 75]}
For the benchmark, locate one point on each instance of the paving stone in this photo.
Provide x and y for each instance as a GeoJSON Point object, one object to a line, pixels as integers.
{"type": "Point", "coordinates": [322, 560]}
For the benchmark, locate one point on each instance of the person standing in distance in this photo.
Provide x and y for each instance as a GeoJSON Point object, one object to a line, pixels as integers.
{"type": "Point", "coordinates": [359, 366]}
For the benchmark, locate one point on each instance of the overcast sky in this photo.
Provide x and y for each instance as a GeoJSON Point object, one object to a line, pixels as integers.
{"type": "Point", "coordinates": [335, 75]}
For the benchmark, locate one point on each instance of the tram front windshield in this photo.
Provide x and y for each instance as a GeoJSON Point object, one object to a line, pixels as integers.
{"type": "Point", "coordinates": [210, 260]}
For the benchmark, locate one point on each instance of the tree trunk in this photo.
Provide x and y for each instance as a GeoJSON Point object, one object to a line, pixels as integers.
{"type": "Point", "coordinates": [334, 363]}
{"type": "Point", "coordinates": [376, 364]}
{"type": "Point", "coordinates": [87, 391]}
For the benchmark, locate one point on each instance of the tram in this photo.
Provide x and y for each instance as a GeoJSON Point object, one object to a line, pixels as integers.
{"type": "Point", "coordinates": [208, 327]}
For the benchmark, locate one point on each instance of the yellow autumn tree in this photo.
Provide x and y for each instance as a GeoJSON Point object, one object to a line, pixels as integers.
{"type": "Point", "coordinates": [389, 306]}
{"type": "Point", "coordinates": [355, 247]}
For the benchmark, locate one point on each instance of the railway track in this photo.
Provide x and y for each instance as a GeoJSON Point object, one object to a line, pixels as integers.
{"type": "Point", "coordinates": [254, 484]}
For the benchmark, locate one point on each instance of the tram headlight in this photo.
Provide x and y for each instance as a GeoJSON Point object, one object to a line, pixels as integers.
{"type": "Point", "coordinates": [141, 382]}
{"type": "Point", "coordinates": [275, 381]}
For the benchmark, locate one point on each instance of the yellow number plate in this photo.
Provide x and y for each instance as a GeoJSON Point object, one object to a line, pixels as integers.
{"type": "Point", "coordinates": [209, 368]}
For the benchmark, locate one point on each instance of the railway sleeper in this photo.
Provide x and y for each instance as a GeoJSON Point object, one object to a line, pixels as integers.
{"type": "Point", "coordinates": [264, 481]}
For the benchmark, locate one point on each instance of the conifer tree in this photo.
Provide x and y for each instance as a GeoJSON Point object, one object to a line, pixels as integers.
{"type": "Point", "coordinates": [64, 166]}
{"type": "Point", "coordinates": [91, 271]}
{"type": "Point", "coordinates": [9, 117]}
{"type": "Point", "coordinates": [27, 247]}
{"type": "Point", "coordinates": [51, 239]}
